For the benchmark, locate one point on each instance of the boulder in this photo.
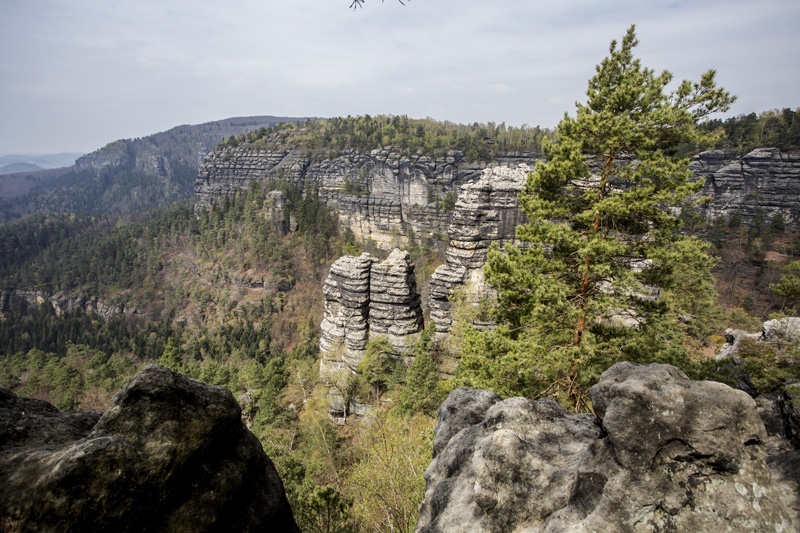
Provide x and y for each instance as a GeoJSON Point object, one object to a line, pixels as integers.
{"type": "Point", "coordinates": [662, 453]}
{"type": "Point", "coordinates": [169, 454]}
{"type": "Point", "coordinates": [786, 329]}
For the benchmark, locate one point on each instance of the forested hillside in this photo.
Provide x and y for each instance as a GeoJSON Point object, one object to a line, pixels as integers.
{"type": "Point", "coordinates": [127, 175]}
{"type": "Point", "coordinates": [779, 128]}
{"type": "Point", "coordinates": [422, 136]}
{"type": "Point", "coordinates": [228, 298]}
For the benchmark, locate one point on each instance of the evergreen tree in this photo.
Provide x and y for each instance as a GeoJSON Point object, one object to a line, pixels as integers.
{"type": "Point", "coordinates": [423, 392]}
{"type": "Point", "coordinates": [603, 241]}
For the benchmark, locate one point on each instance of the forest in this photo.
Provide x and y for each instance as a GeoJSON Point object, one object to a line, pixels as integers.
{"type": "Point", "coordinates": [478, 142]}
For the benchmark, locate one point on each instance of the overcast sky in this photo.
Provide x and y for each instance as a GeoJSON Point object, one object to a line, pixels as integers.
{"type": "Point", "coordinates": [77, 74]}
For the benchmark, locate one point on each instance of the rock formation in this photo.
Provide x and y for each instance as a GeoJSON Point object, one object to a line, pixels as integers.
{"type": "Point", "coordinates": [784, 331]}
{"type": "Point", "coordinates": [169, 454]}
{"type": "Point", "coordinates": [663, 453]}
{"type": "Point", "coordinates": [344, 325]}
{"type": "Point", "coordinates": [394, 303]}
{"type": "Point", "coordinates": [377, 194]}
{"type": "Point", "coordinates": [366, 299]}
{"type": "Point", "coordinates": [17, 300]}
{"type": "Point", "coordinates": [487, 212]}
{"type": "Point", "coordinates": [765, 178]}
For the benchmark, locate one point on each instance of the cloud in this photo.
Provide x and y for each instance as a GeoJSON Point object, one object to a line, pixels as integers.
{"type": "Point", "coordinates": [75, 74]}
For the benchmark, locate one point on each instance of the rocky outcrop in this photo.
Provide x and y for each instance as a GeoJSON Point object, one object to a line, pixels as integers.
{"type": "Point", "coordinates": [344, 325]}
{"type": "Point", "coordinates": [365, 299]}
{"type": "Point", "coordinates": [765, 178]}
{"type": "Point", "coordinates": [169, 454]}
{"type": "Point", "coordinates": [394, 303]}
{"type": "Point", "coordinates": [663, 453]}
{"type": "Point", "coordinates": [19, 300]}
{"type": "Point", "coordinates": [377, 194]}
{"type": "Point", "coordinates": [487, 212]}
{"type": "Point", "coordinates": [776, 332]}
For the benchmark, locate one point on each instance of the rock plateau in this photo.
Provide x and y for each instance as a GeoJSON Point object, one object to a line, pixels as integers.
{"type": "Point", "coordinates": [379, 194]}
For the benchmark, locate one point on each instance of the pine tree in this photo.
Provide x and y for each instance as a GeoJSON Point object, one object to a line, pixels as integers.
{"type": "Point", "coordinates": [602, 240]}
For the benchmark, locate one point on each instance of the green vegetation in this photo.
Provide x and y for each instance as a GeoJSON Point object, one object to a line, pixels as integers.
{"type": "Point", "coordinates": [779, 128]}
{"type": "Point", "coordinates": [578, 299]}
{"type": "Point", "coordinates": [229, 299]}
{"type": "Point", "coordinates": [789, 285]}
{"type": "Point", "coordinates": [404, 135]}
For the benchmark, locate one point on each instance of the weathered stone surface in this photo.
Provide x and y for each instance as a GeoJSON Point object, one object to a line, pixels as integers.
{"type": "Point", "coordinates": [487, 212]}
{"type": "Point", "coordinates": [733, 340]}
{"type": "Point", "coordinates": [462, 409]}
{"type": "Point", "coordinates": [377, 194]}
{"type": "Point", "coordinates": [365, 299]}
{"type": "Point", "coordinates": [394, 305]}
{"type": "Point", "coordinates": [664, 453]}
{"type": "Point", "coordinates": [786, 329]}
{"type": "Point", "coordinates": [344, 325]}
{"type": "Point", "coordinates": [170, 454]}
{"type": "Point", "coordinates": [765, 178]}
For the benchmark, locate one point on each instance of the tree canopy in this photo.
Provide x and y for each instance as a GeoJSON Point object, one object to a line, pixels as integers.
{"type": "Point", "coordinates": [605, 272]}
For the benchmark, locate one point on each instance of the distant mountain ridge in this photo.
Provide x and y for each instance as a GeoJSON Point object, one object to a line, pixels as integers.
{"type": "Point", "coordinates": [125, 175]}
{"type": "Point", "coordinates": [43, 161]}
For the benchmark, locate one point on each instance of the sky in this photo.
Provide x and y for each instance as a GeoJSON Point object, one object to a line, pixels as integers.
{"type": "Point", "coordinates": [77, 74]}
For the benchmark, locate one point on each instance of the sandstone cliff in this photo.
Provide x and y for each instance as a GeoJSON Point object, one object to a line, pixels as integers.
{"type": "Point", "coordinates": [377, 194]}
{"type": "Point", "coordinates": [169, 454]}
{"type": "Point", "coordinates": [487, 212]}
{"type": "Point", "coordinates": [663, 453]}
{"type": "Point", "coordinates": [765, 178]}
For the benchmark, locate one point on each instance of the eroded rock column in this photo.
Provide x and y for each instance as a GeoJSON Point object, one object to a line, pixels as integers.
{"type": "Point", "coordinates": [344, 326]}
{"type": "Point", "coordinates": [394, 307]}
{"type": "Point", "coordinates": [487, 211]}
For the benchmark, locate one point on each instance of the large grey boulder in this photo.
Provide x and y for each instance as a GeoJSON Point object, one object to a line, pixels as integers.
{"type": "Point", "coordinates": [169, 454]}
{"type": "Point", "coordinates": [663, 453]}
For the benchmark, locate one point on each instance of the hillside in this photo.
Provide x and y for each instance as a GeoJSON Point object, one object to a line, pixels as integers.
{"type": "Point", "coordinates": [126, 175]}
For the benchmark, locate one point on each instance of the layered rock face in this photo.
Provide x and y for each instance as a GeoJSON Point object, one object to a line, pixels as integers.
{"type": "Point", "coordinates": [365, 299]}
{"type": "Point", "coordinates": [345, 327]}
{"type": "Point", "coordinates": [16, 300]}
{"type": "Point", "coordinates": [394, 306]}
{"type": "Point", "coordinates": [663, 453]}
{"type": "Point", "coordinates": [765, 178]}
{"type": "Point", "coordinates": [487, 212]}
{"type": "Point", "coordinates": [377, 194]}
{"type": "Point", "coordinates": [169, 454]}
